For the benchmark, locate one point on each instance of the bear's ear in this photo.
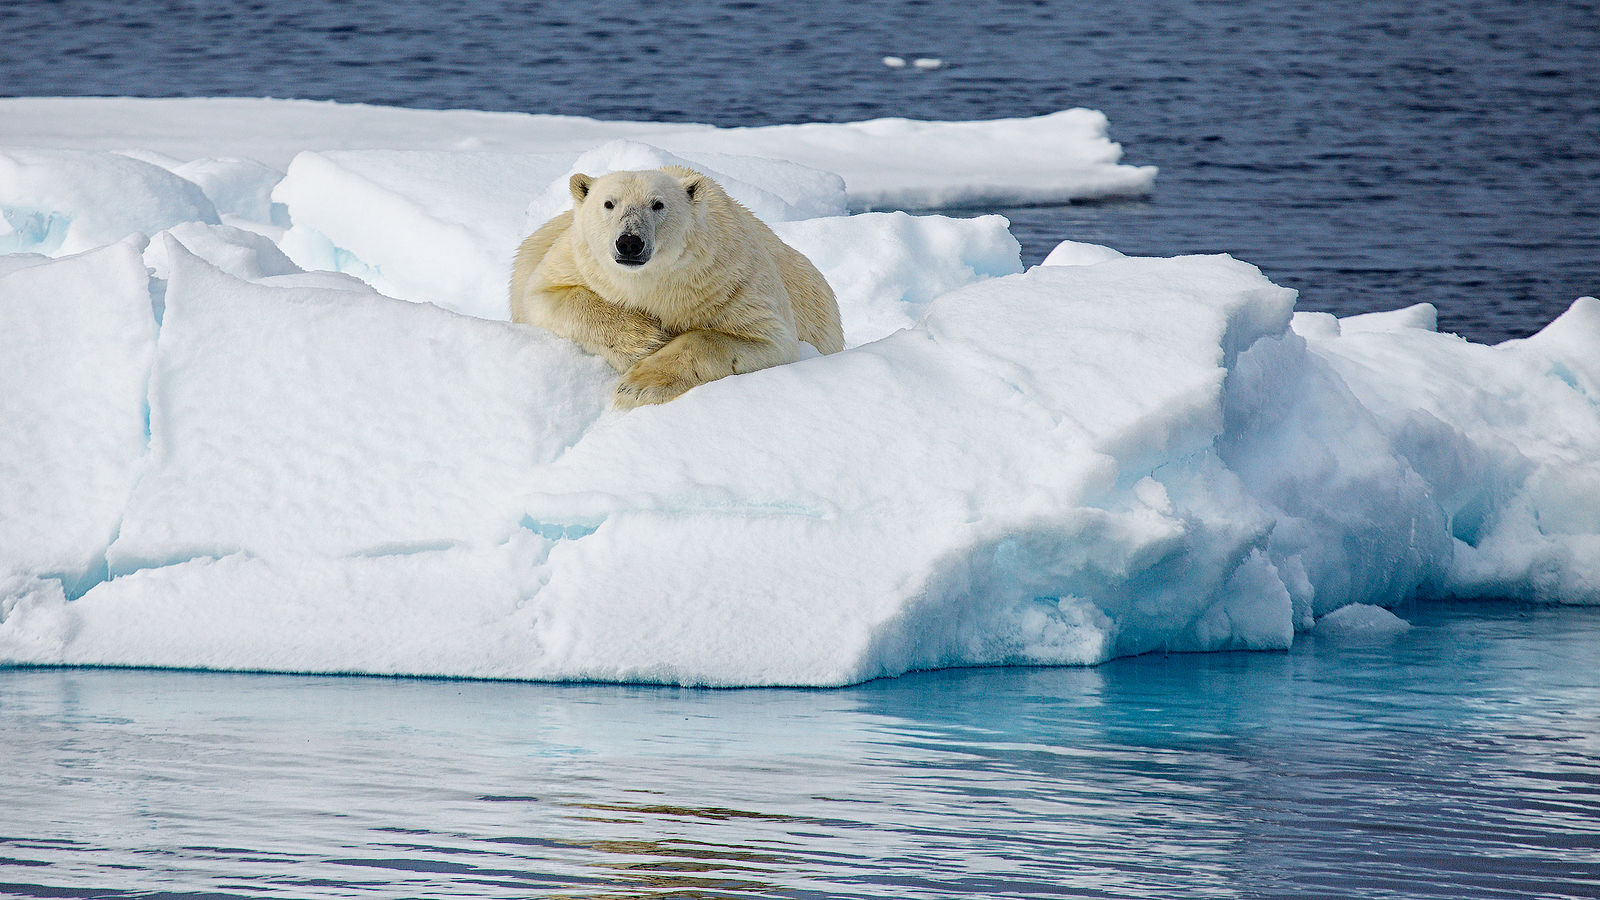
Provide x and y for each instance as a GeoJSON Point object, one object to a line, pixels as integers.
{"type": "Point", "coordinates": [579, 185]}
{"type": "Point", "coordinates": [694, 185]}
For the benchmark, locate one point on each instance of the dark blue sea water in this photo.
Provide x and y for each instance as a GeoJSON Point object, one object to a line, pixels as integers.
{"type": "Point", "coordinates": [1370, 153]}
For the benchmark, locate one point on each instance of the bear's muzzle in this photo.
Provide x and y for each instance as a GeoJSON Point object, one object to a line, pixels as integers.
{"type": "Point", "coordinates": [631, 250]}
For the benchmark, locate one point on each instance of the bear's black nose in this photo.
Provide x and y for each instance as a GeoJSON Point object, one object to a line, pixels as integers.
{"type": "Point", "coordinates": [630, 247]}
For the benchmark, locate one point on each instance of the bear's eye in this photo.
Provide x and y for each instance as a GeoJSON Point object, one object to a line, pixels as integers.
{"type": "Point", "coordinates": [609, 204]}
{"type": "Point", "coordinates": [658, 206]}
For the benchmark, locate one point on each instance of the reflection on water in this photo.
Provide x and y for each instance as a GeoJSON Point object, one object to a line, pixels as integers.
{"type": "Point", "coordinates": [1459, 759]}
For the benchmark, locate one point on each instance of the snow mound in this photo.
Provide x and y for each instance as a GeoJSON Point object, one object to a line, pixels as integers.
{"type": "Point", "coordinates": [243, 254]}
{"type": "Point", "coordinates": [263, 440]}
{"type": "Point", "coordinates": [1361, 622]}
{"type": "Point", "coordinates": [426, 226]}
{"type": "Point", "coordinates": [1075, 253]}
{"type": "Point", "coordinates": [885, 268]}
{"type": "Point", "coordinates": [67, 201]}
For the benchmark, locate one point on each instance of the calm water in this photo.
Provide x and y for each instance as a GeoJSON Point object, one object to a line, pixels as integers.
{"type": "Point", "coordinates": [1461, 759]}
{"type": "Point", "coordinates": [1371, 153]}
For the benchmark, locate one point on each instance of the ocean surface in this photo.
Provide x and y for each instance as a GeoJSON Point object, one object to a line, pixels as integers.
{"type": "Point", "coordinates": [1458, 759]}
{"type": "Point", "coordinates": [1371, 154]}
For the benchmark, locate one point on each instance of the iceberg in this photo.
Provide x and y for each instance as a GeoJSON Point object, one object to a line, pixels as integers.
{"type": "Point", "coordinates": [266, 414]}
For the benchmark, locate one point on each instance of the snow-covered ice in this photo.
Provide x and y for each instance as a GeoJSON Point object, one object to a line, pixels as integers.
{"type": "Point", "coordinates": [66, 201]}
{"type": "Point", "coordinates": [885, 162]}
{"type": "Point", "coordinates": [259, 409]}
{"type": "Point", "coordinates": [77, 340]}
{"type": "Point", "coordinates": [1361, 622]}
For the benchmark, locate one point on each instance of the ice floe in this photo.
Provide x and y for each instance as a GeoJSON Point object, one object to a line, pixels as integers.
{"type": "Point", "coordinates": [263, 412]}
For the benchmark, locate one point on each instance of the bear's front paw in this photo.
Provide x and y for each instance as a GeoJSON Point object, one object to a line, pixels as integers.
{"type": "Point", "coordinates": [644, 384]}
{"type": "Point", "coordinates": [633, 343]}
{"type": "Point", "coordinates": [691, 358]}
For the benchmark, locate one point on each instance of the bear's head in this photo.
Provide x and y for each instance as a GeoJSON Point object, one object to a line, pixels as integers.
{"type": "Point", "coordinates": [639, 220]}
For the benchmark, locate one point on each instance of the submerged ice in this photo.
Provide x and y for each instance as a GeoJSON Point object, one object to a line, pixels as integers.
{"type": "Point", "coordinates": [228, 438]}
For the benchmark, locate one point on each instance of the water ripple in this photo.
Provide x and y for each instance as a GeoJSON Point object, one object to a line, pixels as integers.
{"type": "Point", "coordinates": [1460, 759]}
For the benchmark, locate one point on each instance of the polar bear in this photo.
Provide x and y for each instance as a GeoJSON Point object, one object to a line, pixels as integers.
{"type": "Point", "coordinates": [672, 281]}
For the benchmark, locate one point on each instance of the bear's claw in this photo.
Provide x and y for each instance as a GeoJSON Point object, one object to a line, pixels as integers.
{"type": "Point", "coordinates": [631, 393]}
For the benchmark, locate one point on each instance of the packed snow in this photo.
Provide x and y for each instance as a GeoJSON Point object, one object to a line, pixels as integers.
{"type": "Point", "coordinates": [260, 409]}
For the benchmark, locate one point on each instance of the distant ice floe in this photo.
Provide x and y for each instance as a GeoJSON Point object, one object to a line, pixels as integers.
{"type": "Point", "coordinates": [886, 163]}
{"type": "Point", "coordinates": [921, 62]}
{"type": "Point", "coordinates": [224, 443]}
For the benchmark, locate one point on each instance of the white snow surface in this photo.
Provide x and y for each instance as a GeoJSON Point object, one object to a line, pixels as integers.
{"type": "Point", "coordinates": [259, 410]}
{"type": "Point", "coordinates": [885, 162]}
{"type": "Point", "coordinates": [76, 344]}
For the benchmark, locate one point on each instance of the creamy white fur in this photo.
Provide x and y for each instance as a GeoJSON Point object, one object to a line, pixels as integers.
{"type": "Point", "coordinates": [719, 295]}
